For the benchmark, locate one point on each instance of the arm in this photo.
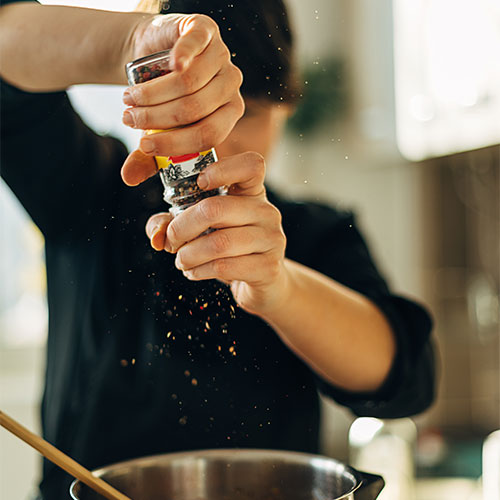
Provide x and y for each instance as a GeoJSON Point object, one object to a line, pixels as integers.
{"type": "Point", "coordinates": [93, 46]}
{"type": "Point", "coordinates": [79, 45]}
{"type": "Point", "coordinates": [341, 334]}
{"type": "Point", "coordinates": [337, 331]}
{"type": "Point", "coordinates": [69, 167]}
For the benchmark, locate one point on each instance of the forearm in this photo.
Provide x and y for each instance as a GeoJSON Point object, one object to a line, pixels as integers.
{"type": "Point", "coordinates": [342, 335]}
{"type": "Point", "coordinates": [48, 48]}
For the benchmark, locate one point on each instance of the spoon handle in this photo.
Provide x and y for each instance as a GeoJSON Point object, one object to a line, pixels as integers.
{"type": "Point", "coordinates": [59, 458]}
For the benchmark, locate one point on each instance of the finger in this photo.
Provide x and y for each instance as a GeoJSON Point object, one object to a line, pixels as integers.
{"type": "Point", "coordinates": [188, 109]}
{"type": "Point", "coordinates": [200, 136]}
{"type": "Point", "coordinates": [244, 173]}
{"type": "Point", "coordinates": [195, 33]}
{"type": "Point", "coordinates": [137, 168]}
{"type": "Point", "coordinates": [156, 228]}
{"type": "Point", "coordinates": [180, 83]}
{"type": "Point", "coordinates": [230, 242]}
{"type": "Point", "coordinates": [256, 269]}
{"type": "Point", "coordinates": [221, 212]}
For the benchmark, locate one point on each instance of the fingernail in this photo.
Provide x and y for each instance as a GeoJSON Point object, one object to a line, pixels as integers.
{"type": "Point", "coordinates": [128, 118]}
{"type": "Point", "coordinates": [153, 233]}
{"type": "Point", "coordinates": [202, 181]}
{"type": "Point", "coordinates": [147, 145]}
{"type": "Point", "coordinates": [154, 230]}
{"type": "Point", "coordinates": [128, 98]}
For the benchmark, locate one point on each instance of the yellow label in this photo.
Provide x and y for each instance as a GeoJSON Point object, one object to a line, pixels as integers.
{"type": "Point", "coordinates": [187, 161]}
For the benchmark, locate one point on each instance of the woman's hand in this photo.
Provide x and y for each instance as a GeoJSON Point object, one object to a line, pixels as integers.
{"type": "Point", "coordinates": [202, 91]}
{"type": "Point", "coordinates": [92, 46]}
{"type": "Point", "coordinates": [341, 334]}
{"type": "Point", "coordinates": [247, 249]}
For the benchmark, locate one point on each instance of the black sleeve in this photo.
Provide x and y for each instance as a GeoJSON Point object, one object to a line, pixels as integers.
{"type": "Point", "coordinates": [409, 387]}
{"type": "Point", "coordinates": [63, 173]}
{"type": "Point", "coordinates": [329, 241]}
{"type": "Point", "coordinates": [5, 2]}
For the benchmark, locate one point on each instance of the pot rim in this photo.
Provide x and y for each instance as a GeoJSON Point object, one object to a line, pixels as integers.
{"type": "Point", "coordinates": [300, 457]}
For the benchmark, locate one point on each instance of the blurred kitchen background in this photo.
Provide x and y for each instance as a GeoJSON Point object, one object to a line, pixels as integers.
{"type": "Point", "coordinates": [400, 122]}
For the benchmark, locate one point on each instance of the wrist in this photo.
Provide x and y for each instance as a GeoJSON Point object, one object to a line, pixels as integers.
{"type": "Point", "coordinates": [80, 45]}
{"type": "Point", "coordinates": [279, 296]}
{"type": "Point", "coordinates": [136, 44]}
{"type": "Point", "coordinates": [123, 47]}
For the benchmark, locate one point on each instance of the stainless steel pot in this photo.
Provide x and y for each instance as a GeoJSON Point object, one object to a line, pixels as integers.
{"type": "Point", "coordinates": [237, 474]}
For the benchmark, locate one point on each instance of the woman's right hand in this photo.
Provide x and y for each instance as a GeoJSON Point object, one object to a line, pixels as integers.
{"type": "Point", "coordinates": [199, 100]}
{"type": "Point", "coordinates": [93, 46]}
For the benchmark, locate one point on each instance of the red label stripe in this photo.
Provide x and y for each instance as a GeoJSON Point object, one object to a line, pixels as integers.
{"type": "Point", "coordinates": [181, 158]}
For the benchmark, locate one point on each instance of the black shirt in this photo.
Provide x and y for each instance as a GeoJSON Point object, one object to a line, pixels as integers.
{"type": "Point", "coordinates": [142, 361]}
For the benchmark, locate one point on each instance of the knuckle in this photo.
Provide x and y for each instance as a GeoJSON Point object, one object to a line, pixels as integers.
{"type": "Point", "coordinates": [141, 118]}
{"type": "Point", "coordinates": [238, 75]}
{"type": "Point", "coordinates": [220, 242]}
{"type": "Point", "coordinates": [141, 94]}
{"type": "Point", "coordinates": [191, 110]}
{"type": "Point", "coordinates": [207, 136]}
{"type": "Point", "coordinates": [210, 209]}
{"type": "Point", "coordinates": [220, 267]}
{"type": "Point", "coordinates": [225, 54]}
{"type": "Point", "coordinates": [274, 214]}
{"type": "Point", "coordinates": [208, 22]}
{"type": "Point", "coordinates": [257, 163]}
{"type": "Point", "coordinates": [204, 19]}
{"type": "Point", "coordinates": [280, 238]}
{"type": "Point", "coordinates": [283, 238]}
{"type": "Point", "coordinates": [263, 212]}
{"type": "Point", "coordinates": [179, 259]}
{"type": "Point", "coordinates": [173, 233]}
{"type": "Point", "coordinates": [272, 265]}
{"type": "Point", "coordinates": [270, 214]}
{"type": "Point", "coordinates": [239, 105]}
{"type": "Point", "coordinates": [187, 81]}
{"type": "Point", "coordinates": [194, 273]}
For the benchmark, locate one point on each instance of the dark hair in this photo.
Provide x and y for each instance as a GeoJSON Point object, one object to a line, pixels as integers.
{"type": "Point", "coordinates": [258, 34]}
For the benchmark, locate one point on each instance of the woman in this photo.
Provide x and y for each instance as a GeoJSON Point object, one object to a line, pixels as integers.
{"type": "Point", "coordinates": [282, 299]}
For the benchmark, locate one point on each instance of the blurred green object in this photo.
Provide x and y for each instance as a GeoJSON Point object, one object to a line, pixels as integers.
{"type": "Point", "coordinates": [323, 97]}
{"type": "Point", "coordinates": [462, 459]}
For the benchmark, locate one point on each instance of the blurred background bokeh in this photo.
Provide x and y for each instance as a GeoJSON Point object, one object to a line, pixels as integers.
{"type": "Point", "coordinates": [400, 122]}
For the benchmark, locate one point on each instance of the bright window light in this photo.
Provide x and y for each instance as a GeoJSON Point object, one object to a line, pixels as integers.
{"type": "Point", "coordinates": [447, 71]}
{"type": "Point", "coordinates": [120, 5]}
{"type": "Point", "coordinates": [101, 106]}
{"type": "Point", "coordinates": [363, 430]}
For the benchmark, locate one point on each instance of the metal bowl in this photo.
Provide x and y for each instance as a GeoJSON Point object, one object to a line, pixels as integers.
{"type": "Point", "coordinates": [236, 474]}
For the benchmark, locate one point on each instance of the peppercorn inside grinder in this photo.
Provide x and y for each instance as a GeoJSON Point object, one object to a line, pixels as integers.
{"type": "Point", "coordinates": [178, 173]}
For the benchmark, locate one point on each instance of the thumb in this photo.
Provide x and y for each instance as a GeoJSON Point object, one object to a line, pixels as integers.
{"type": "Point", "coordinates": [195, 32]}
{"type": "Point", "coordinates": [156, 229]}
{"type": "Point", "coordinates": [187, 36]}
{"type": "Point", "coordinates": [137, 168]}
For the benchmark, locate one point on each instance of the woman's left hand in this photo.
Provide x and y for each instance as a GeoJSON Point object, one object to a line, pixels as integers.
{"type": "Point", "coordinates": [339, 333]}
{"type": "Point", "coordinates": [247, 250]}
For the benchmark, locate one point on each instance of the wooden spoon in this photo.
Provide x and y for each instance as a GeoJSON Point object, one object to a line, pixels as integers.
{"type": "Point", "coordinates": [62, 460]}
